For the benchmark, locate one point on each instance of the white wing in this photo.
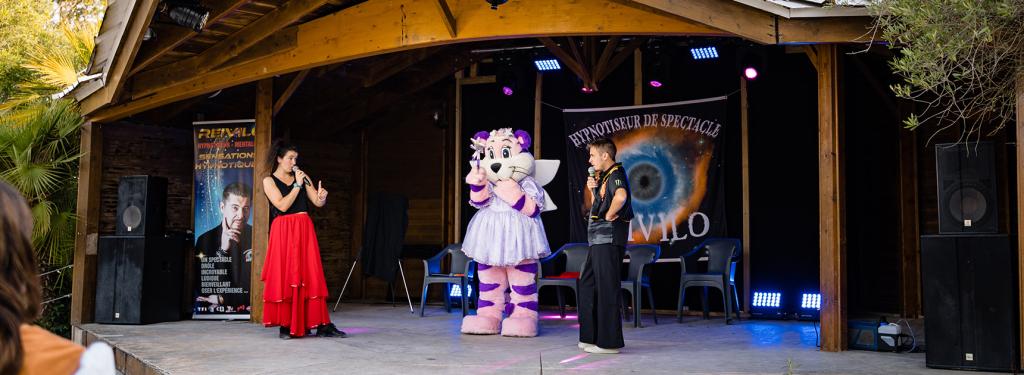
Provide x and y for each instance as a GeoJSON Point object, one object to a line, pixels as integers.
{"type": "Point", "coordinates": [544, 170]}
{"type": "Point", "coordinates": [548, 204]}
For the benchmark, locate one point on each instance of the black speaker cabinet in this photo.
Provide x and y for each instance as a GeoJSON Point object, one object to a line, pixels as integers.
{"type": "Point", "coordinates": [966, 182]}
{"type": "Point", "coordinates": [970, 302]}
{"type": "Point", "coordinates": [139, 279]}
{"type": "Point", "coordinates": [141, 205]}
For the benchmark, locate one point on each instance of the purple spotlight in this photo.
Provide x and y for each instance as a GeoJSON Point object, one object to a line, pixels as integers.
{"type": "Point", "coordinates": [750, 73]}
{"type": "Point", "coordinates": [654, 83]}
{"type": "Point", "coordinates": [586, 90]}
{"type": "Point", "coordinates": [506, 90]}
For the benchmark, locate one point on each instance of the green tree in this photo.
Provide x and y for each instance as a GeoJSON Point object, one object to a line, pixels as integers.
{"type": "Point", "coordinates": [27, 24]}
{"type": "Point", "coordinates": [960, 59]}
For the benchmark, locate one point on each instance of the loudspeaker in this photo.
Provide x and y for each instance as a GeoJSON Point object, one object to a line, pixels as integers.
{"type": "Point", "coordinates": [970, 302]}
{"type": "Point", "coordinates": [139, 279]}
{"type": "Point", "coordinates": [141, 205]}
{"type": "Point", "coordinates": [966, 182]}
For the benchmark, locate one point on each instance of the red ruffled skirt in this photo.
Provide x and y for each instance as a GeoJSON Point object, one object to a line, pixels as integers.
{"type": "Point", "coordinates": [294, 289]}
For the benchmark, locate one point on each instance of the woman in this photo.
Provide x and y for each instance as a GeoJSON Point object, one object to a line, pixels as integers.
{"type": "Point", "coordinates": [25, 348]}
{"type": "Point", "coordinates": [294, 291]}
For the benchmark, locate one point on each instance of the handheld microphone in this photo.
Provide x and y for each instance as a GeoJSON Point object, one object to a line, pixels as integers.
{"type": "Point", "coordinates": [304, 179]}
{"type": "Point", "coordinates": [591, 171]}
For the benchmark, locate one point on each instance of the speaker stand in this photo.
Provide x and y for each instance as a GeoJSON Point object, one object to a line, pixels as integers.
{"type": "Point", "coordinates": [353, 268]}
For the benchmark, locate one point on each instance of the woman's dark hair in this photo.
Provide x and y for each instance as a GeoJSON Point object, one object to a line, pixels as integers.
{"type": "Point", "coordinates": [20, 293]}
{"type": "Point", "coordinates": [278, 149]}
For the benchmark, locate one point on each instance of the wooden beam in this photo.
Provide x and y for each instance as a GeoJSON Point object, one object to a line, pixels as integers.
{"type": "Point", "coordinates": [292, 86]}
{"type": "Point", "coordinates": [606, 55]}
{"type": "Point", "coordinates": [382, 70]}
{"type": "Point", "coordinates": [824, 30]}
{"type": "Point", "coordinates": [457, 201]}
{"type": "Point", "coordinates": [538, 90]}
{"type": "Point", "coordinates": [619, 58]}
{"type": "Point", "coordinates": [1020, 206]}
{"type": "Point", "coordinates": [831, 196]}
{"type": "Point", "coordinates": [910, 234]}
{"type": "Point", "coordinates": [729, 16]}
{"type": "Point", "coordinates": [226, 49]}
{"type": "Point", "coordinates": [90, 174]}
{"type": "Point", "coordinates": [447, 17]}
{"type": "Point", "coordinates": [261, 207]}
{"type": "Point", "coordinates": [745, 177]}
{"type": "Point", "coordinates": [369, 29]}
{"type": "Point", "coordinates": [169, 38]}
{"type": "Point", "coordinates": [115, 76]}
{"type": "Point", "coordinates": [573, 62]}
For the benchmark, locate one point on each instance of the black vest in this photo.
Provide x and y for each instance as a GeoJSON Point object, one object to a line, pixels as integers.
{"type": "Point", "coordinates": [601, 231]}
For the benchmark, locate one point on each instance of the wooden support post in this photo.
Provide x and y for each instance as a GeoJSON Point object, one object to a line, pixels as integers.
{"type": "Point", "coordinates": [537, 93]}
{"type": "Point", "coordinates": [832, 242]}
{"type": "Point", "coordinates": [745, 166]}
{"type": "Point", "coordinates": [910, 234]}
{"type": "Point", "coordinates": [90, 173]}
{"type": "Point", "coordinates": [457, 202]}
{"type": "Point", "coordinates": [638, 77]}
{"type": "Point", "coordinates": [1020, 203]}
{"type": "Point", "coordinates": [260, 206]}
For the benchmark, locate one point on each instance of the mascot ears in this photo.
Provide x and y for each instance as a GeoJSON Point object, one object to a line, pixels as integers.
{"type": "Point", "coordinates": [524, 139]}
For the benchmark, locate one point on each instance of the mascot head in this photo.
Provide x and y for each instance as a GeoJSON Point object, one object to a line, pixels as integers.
{"type": "Point", "coordinates": [504, 154]}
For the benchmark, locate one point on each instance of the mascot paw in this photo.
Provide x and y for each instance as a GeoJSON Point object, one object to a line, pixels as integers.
{"type": "Point", "coordinates": [480, 325]}
{"type": "Point", "coordinates": [519, 327]}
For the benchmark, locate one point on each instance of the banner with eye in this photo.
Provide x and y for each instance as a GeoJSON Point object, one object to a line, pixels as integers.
{"type": "Point", "coordinates": [672, 156]}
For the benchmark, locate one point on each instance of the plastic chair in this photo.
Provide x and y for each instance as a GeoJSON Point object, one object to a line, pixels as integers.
{"type": "Point", "coordinates": [575, 256]}
{"type": "Point", "coordinates": [722, 255]}
{"type": "Point", "coordinates": [460, 272]}
{"type": "Point", "coordinates": [640, 256]}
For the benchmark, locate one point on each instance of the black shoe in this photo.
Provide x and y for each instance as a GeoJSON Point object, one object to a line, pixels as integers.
{"type": "Point", "coordinates": [284, 334]}
{"type": "Point", "coordinates": [329, 330]}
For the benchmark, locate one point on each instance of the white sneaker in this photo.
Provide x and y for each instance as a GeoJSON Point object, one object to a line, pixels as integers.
{"type": "Point", "coordinates": [583, 345]}
{"type": "Point", "coordinates": [598, 350]}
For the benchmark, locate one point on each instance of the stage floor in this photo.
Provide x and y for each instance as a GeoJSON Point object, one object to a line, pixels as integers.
{"type": "Point", "coordinates": [389, 340]}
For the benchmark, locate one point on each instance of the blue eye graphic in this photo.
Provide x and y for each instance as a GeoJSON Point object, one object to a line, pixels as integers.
{"type": "Point", "coordinates": [657, 178]}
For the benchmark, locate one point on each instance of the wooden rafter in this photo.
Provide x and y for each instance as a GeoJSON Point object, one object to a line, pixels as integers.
{"type": "Point", "coordinates": [294, 85]}
{"type": "Point", "coordinates": [382, 70]}
{"type": "Point", "coordinates": [230, 47]}
{"type": "Point", "coordinates": [171, 37]}
{"type": "Point", "coordinates": [586, 64]}
{"type": "Point", "coordinates": [728, 16]}
{"type": "Point", "coordinates": [142, 15]}
{"type": "Point", "coordinates": [447, 17]}
{"type": "Point", "coordinates": [355, 32]}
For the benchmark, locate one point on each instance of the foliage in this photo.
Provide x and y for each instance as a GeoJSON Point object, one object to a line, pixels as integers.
{"type": "Point", "coordinates": [960, 59]}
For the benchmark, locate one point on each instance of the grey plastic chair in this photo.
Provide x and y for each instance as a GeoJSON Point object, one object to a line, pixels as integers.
{"type": "Point", "coordinates": [722, 255]}
{"type": "Point", "coordinates": [640, 258]}
{"type": "Point", "coordinates": [575, 256]}
{"type": "Point", "coordinates": [459, 272]}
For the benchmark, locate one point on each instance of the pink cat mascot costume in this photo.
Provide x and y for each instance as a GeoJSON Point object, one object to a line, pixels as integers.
{"type": "Point", "coordinates": [506, 236]}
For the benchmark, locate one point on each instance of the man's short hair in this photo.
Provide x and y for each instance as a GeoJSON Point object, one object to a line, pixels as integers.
{"type": "Point", "coordinates": [604, 145]}
{"type": "Point", "coordinates": [238, 188]}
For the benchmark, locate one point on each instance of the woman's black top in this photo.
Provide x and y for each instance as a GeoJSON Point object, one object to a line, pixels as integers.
{"type": "Point", "coordinates": [301, 203]}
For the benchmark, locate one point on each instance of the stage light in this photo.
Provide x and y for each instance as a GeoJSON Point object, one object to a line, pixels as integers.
{"type": "Point", "coordinates": [767, 299]}
{"type": "Point", "coordinates": [654, 83]}
{"type": "Point", "coordinates": [586, 90]}
{"type": "Point", "coordinates": [187, 15]}
{"type": "Point", "coordinates": [495, 3]}
{"type": "Point", "coordinates": [507, 90]}
{"type": "Point", "coordinates": [750, 73]}
{"type": "Point", "coordinates": [507, 76]}
{"type": "Point", "coordinates": [811, 301]}
{"type": "Point", "coordinates": [547, 64]}
{"type": "Point", "coordinates": [766, 305]}
{"type": "Point", "coordinates": [704, 53]}
{"type": "Point", "coordinates": [456, 291]}
{"type": "Point", "coordinates": [810, 307]}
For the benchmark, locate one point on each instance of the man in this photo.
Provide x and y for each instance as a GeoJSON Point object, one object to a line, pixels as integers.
{"type": "Point", "coordinates": [600, 283]}
{"type": "Point", "coordinates": [227, 249]}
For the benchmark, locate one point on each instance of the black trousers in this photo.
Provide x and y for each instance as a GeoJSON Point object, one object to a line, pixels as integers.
{"type": "Point", "coordinates": [600, 288]}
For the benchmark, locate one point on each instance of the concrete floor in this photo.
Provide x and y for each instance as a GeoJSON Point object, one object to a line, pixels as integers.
{"type": "Point", "coordinates": [388, 340]}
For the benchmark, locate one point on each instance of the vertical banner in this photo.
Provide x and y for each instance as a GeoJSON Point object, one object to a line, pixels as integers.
{"type": "Point", "coordinates": [672, 154]}
{"type": "Point", "coordinates": [223, 225]}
